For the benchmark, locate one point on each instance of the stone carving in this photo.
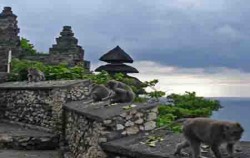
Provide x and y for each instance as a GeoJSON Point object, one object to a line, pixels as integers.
{"type": "Point", "coordinates": [35, 75]}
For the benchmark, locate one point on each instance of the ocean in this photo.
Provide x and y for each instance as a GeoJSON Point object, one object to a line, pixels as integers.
{"type": "Point", "coordinates": [235, 109]}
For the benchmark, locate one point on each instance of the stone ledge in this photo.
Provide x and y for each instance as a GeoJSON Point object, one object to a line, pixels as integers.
{"type": "Point", "coordinates": [100, 112]}
{"type": "Point", "coordinates": [131, 147]}
{"type": "Point", "coordinates": [40, 85]}
{"type": "Point", "coordinates": [13, 136]}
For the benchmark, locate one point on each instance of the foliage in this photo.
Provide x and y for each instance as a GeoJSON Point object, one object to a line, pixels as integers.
{"type": "Point", "coordinates": [187, 105]}
{"type": "Point", "coordinates": [62, 71]}
{"type": "Point", "coordinates": [155, 93]}
{"type": "Point", "coordinates": [27, 47]}
{"type": "Point", "coordinates": [152, 140]}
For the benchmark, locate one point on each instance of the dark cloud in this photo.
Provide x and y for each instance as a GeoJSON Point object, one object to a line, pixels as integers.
{"type": "Point", "coordinates": [185, 33]}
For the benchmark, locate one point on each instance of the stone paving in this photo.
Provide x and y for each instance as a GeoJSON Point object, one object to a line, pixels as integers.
{"type": "Point", "coordinates": [133, 147]}
{"type": "Point", "coordinates": [29, 154]}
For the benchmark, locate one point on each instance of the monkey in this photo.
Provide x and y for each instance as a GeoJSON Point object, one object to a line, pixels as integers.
{"type": "Point", "coordinates": [210, 132]}
{"type": "Point", "coordinates": [99, 92]}
{"type": "Point", "coordinates": [123, 93]}
{"type": "Point", "coordinates": [35, 75]}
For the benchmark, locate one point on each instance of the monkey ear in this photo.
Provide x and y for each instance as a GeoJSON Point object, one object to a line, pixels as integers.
{"type": "Point", "coordinates": [238, 124]}
{"type": "Point", "coordinates": [226, 128]}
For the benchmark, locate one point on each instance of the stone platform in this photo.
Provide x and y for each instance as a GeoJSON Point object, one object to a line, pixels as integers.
{"type": "Point", "coordinates": [15, 136]}
{"type": "Point", "coordinates": [133, 147]}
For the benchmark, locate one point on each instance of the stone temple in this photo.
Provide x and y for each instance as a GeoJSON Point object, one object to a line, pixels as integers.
{"type": "Point", "coordinates": [65, 50]}
{"type": "Point", "coordinates": [9, 38]}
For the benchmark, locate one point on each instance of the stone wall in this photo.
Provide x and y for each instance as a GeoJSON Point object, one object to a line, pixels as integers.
{"type": "Point", "coordinates": [39, 103]}
{"type": "Point", "coordinates": [88, 125]}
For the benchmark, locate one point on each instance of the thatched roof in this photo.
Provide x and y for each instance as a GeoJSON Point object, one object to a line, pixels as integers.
{"type": "Point", "coordinates": [116, 55]}
{"type": "Point", "coordinates": [116, 68]}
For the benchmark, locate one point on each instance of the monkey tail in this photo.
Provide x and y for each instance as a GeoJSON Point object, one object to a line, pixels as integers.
{"type": "Point", "coordinates": [180, 121]}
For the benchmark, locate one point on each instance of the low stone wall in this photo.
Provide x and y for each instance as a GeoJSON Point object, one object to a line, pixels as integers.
{"type": "Point", "coordinates": [39, 103]}
{"type": "Point", "coordinates": [88, 125]}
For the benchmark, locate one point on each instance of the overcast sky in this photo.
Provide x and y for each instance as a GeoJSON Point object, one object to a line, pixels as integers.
{"type": "Point", "coordinates": [195, 43]}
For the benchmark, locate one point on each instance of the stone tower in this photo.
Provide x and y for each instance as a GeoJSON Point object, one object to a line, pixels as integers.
{"type": "Point", "coordinates": [66, 49]}
{"type": "Point", "coordinates": [9, 39]}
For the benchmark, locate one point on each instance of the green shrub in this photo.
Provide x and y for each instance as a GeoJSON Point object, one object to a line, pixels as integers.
{"type": "Point", "coordinates": [62, 71]}
{"type": "Point", "coordinates": [187, 105]}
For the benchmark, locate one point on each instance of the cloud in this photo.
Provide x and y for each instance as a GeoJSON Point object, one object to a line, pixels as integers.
{"type": "Point", "coordinates": [210, 82]}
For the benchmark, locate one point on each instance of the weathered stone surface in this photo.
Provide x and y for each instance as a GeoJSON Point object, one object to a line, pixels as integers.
{"type": "Point", "coordinates": [29, 154]}
{"type": "Point", "coordinates": [119, 127]}
{"type": "Point", "coordinates": [129, 123]}
{"type": "Point", "coordinates": [39, 103]}
{"type": "Point", "coordinates": [131, 147]}
{"type": "Point", "coordinates": [139, 121]}
{"type": "Point", "coordinates": [132, 130]}
{"type": "Point", "coordinates": [149, 125]}
{"type": "Point", "coordinates": [152, 116]}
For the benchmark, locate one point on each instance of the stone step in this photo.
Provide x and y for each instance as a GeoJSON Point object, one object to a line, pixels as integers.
{"type": "Point", "coordinates": [15, 136]}
{"type": "Point", "coordinates": [29, 154]}
{"type": "Point", "coordinates": [134, 147]}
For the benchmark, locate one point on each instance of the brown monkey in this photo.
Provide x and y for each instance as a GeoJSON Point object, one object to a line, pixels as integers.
{"type": "Point", "coordinates": [35, 75]}
{"type": "Point", "coordinates": [210, 132]}
{"type": "Point", "coordinates": [123, 93]}
{"type": "Point", "coordinates": [100, 93]}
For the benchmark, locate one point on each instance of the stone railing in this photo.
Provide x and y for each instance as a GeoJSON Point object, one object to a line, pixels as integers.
{"type": "Point", "coordinates": [88, 125]}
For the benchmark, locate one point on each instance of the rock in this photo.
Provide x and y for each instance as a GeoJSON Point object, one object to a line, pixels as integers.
{"type": "Point", "coordinates": [107, 122]}
{"type": "Point", "coordinates": [139, 115]}
{"type": "Point", "coordinates": [139, 121]}
{"type": "Point", "coordinates": [132, 130]}
{"type": "Point", "coordinates": [119, 127]}
{"type": "Point", "coordinates": [149, 125]}
{"type": "Point", "coordinates": [103, 140]}
{"type": "Point", "coordinates": [154, 110]}
{"type": "Point", "coordinates": [128, 117]}
{"type": "Point", "coordinates": [129, 123]}
{"type": "Point", "coordinates": [5, 138]}
{"type": "Point", "coordinates": [123, 114]}
{"type": "Point", "coordinates": [152, 116]}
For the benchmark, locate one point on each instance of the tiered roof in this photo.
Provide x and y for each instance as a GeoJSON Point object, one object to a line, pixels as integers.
{"type": "Point", "coordinates": [116, 57]}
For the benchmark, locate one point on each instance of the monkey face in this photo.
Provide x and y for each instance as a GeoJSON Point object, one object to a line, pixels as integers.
{"type": "Point", "coordinates": [111, 84]}
{"type": "Point", "coordinates": [233, 132]}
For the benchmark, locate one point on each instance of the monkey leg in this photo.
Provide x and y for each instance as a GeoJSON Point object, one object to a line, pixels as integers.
{"type": "Point", "coordinates": [230, 148]}
{"type": "Point", "coordinates": [196, 153]}
{"type": "Point", "coordinates": [180, 146]}
{"type": "Point", "coordinates": [216, 151]}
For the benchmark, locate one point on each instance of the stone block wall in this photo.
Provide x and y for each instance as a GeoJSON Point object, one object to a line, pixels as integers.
{"type": "Point", "coordinates": [39, 103]}
{"type": "Point", "coordinates": [86, 127]}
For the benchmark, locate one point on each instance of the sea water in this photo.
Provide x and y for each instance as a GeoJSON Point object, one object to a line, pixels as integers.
{"type": "Point", "coordinates": [235, 109]}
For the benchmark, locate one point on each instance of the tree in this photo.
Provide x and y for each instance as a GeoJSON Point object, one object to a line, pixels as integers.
{"type": "Point", "coordinates": [27, 47]}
